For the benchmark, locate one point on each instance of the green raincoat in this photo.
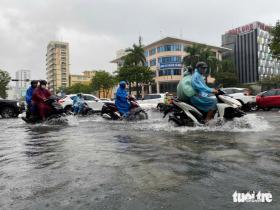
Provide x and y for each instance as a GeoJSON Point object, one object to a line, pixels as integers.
{"type": "Point", "coordinates": [185, 89]}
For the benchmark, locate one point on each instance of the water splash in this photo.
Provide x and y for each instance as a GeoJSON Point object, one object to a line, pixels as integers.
{"type": "Point", "coordinates": [248, 123]}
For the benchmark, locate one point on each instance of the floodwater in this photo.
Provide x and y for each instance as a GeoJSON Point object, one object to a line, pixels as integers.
{"type": "Point", "coordinates": [97, 164]}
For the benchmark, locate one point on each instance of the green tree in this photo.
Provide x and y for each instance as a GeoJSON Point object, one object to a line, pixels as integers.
{"type": "Point", "coordinates": [78, 88]}
{"type": "Point", "coordinates": [136, 55]}
{"type": "Point", "coordinates": [103, 81]}
{"type": "Point", "coordinates": [193, 55]}
{"type": "Point", "coordinates": [136, 75]}
{"type": "Point", "coordinates": [4, 81]}
{"type": "Point", "coordinates": [200, 52]}
{"type": "Point", "coordinates": [270, 82]}
{"type": "Point", "coordinates": [134, 70]}
{"type": "Point", "coordinates": [275, 41]}
{"type": "Point", "coordinates": [226, 75]}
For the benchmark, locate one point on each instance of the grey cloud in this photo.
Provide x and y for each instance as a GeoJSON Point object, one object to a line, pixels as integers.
{"type": "Point", "coordinates": [95, 29]}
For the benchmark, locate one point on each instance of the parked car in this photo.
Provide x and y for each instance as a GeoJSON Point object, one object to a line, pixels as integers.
{"type": "Point", "coordinates": [10, 108]}
{"type": "Point", "coordinates": [92, 101]}
{"type": "Point", "coordinates": [269, 99]}
{"type": "Point", "coordinates": [243, 95]}
{"type": "Point", "coordinates": [106, 99]}
{"type": "Point", "coordinates": [151, 100]}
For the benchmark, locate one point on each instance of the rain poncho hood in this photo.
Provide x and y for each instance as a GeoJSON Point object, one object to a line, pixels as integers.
{"type": "Point", "coordinates": [184, 88]}
{"type": "Point", "coordinates": [121, 99]}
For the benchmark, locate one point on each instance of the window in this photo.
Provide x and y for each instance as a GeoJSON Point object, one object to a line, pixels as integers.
{"type": "Point", "coordinates": [238, 91]}
{"type": "Point", "coordinates": [151, 97]}
{"type": "Point", "coordinates": [171, 59]}
{"type": "Point", "coordinates": [152, 51]}
{"type": "Point", "coordinates": [89, 98]}
{"type": "Point", "coordinates": [228, 91]}
{"type": "Point", "coordinates": [146, 63]}
{"type": "Point", "coordinates": [168, 87]}
{"type": "Point", "coordinates": [168, 72]}
{"type": "Point", "coordinates": [169, 47]}
{"type": "Point", "coordinates": [270, 93]}
{"type": "Point", "coordinates": [153, 62]}
{"type": "Point", "coordinates": [146, 53]}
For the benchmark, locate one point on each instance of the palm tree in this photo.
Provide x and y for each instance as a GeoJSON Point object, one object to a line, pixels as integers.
{"type": "Point", "coordinates": [199, 52]}
{"type": "Point", "coordinates": [136, 55]}
{"type": "Point", "coordinates": [193, 55]}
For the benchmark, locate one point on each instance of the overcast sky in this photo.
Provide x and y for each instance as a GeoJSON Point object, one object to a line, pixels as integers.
{"type": "Point", "coordinates": [95, 29]}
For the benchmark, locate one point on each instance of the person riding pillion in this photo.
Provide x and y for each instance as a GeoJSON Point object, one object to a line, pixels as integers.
{"type": "Point", "coordinates": [121, 100]}
{"type": "Point", "coordinates": [40, 95]}
{"type": "Point", "coordinates": [184, 89]}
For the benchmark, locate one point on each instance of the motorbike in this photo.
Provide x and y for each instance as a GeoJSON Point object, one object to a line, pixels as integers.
{"type": "Point", "coordinates": [184, 114]}
{"type": "Point", "coordinates": [56, 112]}
{"type": "Point", "coordinates": [86, 110]}
{"type": "Point", "coordinates": [110, 111]}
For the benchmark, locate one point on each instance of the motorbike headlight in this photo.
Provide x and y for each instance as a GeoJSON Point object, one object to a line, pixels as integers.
{"type": "Point", "coordinates": [18, 105]}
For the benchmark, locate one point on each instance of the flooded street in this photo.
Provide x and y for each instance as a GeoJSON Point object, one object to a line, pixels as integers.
{"type": "Point", "coordinates": [97, 164]}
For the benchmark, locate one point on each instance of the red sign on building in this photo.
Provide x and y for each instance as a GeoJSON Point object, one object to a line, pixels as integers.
{"type": "Point", "coordinates": [248, 28]}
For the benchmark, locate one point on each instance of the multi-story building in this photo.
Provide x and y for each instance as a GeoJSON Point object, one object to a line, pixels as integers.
{"type": "Point", "coordinates": [57, 59]}
{"type": "Point", "coordinates": [12, 93]}
{"type": "Point", "coordinates": [165, 57]}
{"type": "Point", "coordinates": [251, 53]}
{"type": "Point", "coordinates": [85, 78]}
{"type": "Point", "coordinates": [23, 77]}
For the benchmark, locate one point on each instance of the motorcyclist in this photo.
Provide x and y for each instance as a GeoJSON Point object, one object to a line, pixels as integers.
{"type": "Point", "coordinates": [40, 95]}
{"type": "Point", "coordinates": [121, 101]}
{"type": "Point", "coordinates": [78, 104]}
{"type": "Point", "coordinates": [184, 89]}
{"type": "Point", "coordinates": [28, 98]}
{"type": "Point", "coordinates": [201, 99]}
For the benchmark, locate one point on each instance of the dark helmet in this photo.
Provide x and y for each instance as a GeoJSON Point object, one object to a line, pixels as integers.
{"type": "Point", "coordinates": [201, 64]}
{"type": "Point", "coordinates": [34, 82]}
{"type": "Point", "coordinates": [79, 95]}
{"type": "Point", "coordinates": [43, 82]}
{"type": "Point", "coordinates": [189, 69]}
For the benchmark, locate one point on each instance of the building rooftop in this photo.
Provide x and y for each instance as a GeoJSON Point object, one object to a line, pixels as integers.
{"type": "Point", "coordinates": [248, 27]}
{"type": "Point", "coordinates": [168, 40]}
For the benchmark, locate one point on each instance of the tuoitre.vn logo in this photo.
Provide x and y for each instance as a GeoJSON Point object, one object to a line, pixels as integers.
{"type": "Point", "coordinates": [258, 197]}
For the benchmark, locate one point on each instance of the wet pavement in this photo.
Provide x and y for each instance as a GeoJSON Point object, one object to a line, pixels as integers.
{"type": "Point", "coordinates": [92, 163]}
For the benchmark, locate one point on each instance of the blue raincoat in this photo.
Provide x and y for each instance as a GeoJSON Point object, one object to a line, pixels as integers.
{"type": "Point", "coordinates": [78, 104]}
{"type": "Point", "coordinates": [28, 96]}
{"type": "Point", "coordinates": [201, 100]}
{"type": "Point", "coordinates": [121, 99]}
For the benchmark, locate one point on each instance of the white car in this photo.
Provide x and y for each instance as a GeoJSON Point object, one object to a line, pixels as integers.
{"type": "Point", "coordinates": [241, 94]}
{"type": "Point", "coordinates": [91, 100]}
{"type": "Point", "coordinates": [151, 100]}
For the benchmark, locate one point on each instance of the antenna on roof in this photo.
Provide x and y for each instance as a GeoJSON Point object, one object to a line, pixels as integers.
{"type": "Point", "coordinates": [161, 33]}
{"type": "Point", "coordinates": [181, 34]}
{"type": "Point", "coordinates": [140, 40]}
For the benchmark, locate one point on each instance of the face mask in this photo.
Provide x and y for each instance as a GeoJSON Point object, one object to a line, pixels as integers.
{"type": "Point", "coordinates": [43, 86]}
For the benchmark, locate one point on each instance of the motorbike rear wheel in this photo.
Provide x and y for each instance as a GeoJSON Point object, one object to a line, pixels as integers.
{"type": "Point", "coordinates": [142, 115]}
{"type": "Point", "coordinates": [175, 121]}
